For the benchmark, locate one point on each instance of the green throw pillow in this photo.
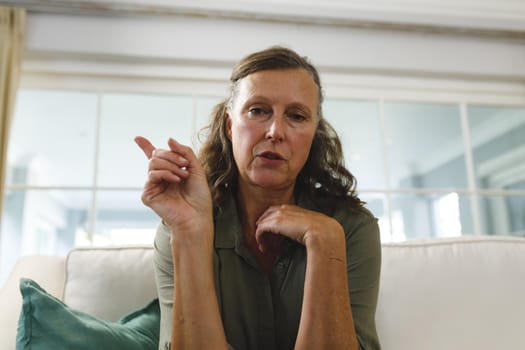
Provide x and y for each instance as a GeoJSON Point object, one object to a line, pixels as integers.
{"type": "Point", "coordinates": [47, 323]}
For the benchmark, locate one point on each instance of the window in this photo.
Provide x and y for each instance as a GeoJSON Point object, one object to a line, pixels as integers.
{"type": "Point", "coordinates": [498, 149]}
{"type": "Point", "coordinates": [435, 169]}
{"type": "Point", "coordinates": [75, 175]}
{"type": "Point", "coordinates": [425, 169]}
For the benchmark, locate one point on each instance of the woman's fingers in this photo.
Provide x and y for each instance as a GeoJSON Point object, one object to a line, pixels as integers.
{"type": "Point", "coordinates": [156, 165]}
{"type": "Point", "coordinates": [286, 220]}
{"type": "Point", "coordinates": [171, 157]}
{"type": "Point", "coordinates": [178, 154]}
{"type": "Point", "coordinates": [157, 176]}
{"type": "Point", "coordinates": [145, 145]}
{"type": "Point", "coordinates": [267, 226]}
{"type": "Point", "coordinates": [184, 151]}
{"type": "Point", "coordinates": [270, 211]}
{"type": "Point", "coordinates": [167, 160]}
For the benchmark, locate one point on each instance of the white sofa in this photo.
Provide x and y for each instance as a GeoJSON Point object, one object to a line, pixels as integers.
{"type": "Point", "coordinates": [447, 294]}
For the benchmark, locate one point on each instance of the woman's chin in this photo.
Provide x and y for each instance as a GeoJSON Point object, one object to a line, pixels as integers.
{"type": "Point", "coordinates": [272, 183]}
{"type": "Point", "coordinates": [270, 180]}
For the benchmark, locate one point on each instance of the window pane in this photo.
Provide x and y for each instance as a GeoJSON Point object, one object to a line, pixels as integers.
{"type": "Point", "coordinates": [122, 219]}
{"type": "Point", "coordinates": [377, 204]}
{"type": "Point", "coordinates": [52, 140]}
{"type": "Point", "coordinates": [498, 145]}
{"type": "Point", "coordinates": [502, 215]}
{"type": "Point", "coordinates": [41, 222]}
{"type": "Point", "coordinates": [357, 123]}
{"type": "Point", "coordinates": [425, 146]}
{"type": "Point", "coordinates": [423, 216]}
{"type": "Point", "coordinates": [122, 163]}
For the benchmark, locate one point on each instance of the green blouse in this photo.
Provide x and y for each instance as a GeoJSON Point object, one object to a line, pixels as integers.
{"type": "Point", "coordinates": [264, 313]}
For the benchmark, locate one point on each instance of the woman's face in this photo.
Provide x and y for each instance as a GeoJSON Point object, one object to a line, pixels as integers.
{"type": "Point", "coordinates": [271, 125]}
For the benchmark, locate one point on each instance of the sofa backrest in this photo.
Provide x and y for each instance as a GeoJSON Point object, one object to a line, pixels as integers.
{"type": "Point", "coordinates": [454, 294]}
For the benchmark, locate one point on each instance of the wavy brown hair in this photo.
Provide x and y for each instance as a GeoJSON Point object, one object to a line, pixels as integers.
{"type": "Point", "coordinates": [324, 173]}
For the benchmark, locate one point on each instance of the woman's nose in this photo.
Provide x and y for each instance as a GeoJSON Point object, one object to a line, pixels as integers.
{"type": "Point", "coordinates": [276, 129]}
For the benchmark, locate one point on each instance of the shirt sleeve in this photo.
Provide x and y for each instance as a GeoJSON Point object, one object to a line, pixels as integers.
{"type": "Point", "coordinates": [363, 251]}
{"type": "Point", "coordinates": [163, 264]}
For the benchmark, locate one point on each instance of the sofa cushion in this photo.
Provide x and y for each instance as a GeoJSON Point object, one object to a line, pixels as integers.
{"type": "Point", "coordinates": [120, 279]}
{"type": "Point", "coordinates": [454, 294]}
{"type": "Point", "coordinates": [47, 323]}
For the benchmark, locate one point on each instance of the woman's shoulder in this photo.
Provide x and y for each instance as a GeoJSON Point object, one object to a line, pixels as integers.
{"type": "Point", "coordinates": [353, 209]}
{"type": "Point", "coordinates": [350, 212]}
{"type": "Point", "coordinates": [350, 206]}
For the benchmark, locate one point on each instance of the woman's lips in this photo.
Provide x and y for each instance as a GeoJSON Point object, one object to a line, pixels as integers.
{"type": "Point", "coordinates": [271, 156]}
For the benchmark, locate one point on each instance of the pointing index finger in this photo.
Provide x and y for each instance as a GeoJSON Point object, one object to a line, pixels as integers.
{"type": "Point", "coordinates": [145, 145]}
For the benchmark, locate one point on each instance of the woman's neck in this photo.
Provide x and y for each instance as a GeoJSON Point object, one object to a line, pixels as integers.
{"type": "Point", "coordinates": [253, 202]}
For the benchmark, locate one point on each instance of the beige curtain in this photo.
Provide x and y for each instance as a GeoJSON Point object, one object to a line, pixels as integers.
{"type": "Point", "coordinates": [12, 24]}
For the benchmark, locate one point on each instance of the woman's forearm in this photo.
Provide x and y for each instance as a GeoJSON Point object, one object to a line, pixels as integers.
{"type": "Point", "coordinates": [197, 322]}
{"type": "Point", "coordinates": [326, 318]}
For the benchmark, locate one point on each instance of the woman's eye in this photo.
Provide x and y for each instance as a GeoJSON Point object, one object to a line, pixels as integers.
{"type": "Point", "coordinates": [257, 111]}
{"type": "Point", "coordinates": [297, 116]}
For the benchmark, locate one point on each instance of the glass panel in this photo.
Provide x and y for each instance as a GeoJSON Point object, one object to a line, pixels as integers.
{"type": "Point", "coordinates": [357, 123]}
{"type": "Point", "coordinates": [377, 204]}
{"type": "Point", "coordinates": [423, 216]}
{"type": "Point", "coordinates": [122, 219]}
{"type": "Point", "coordinates": [52, 139]}
{"type": "Point", "coordinates": [502, 215]}
{"type": "Point", "coordinates": [41, 222]}
{"type": "Point", "coordinates": [425, 146]}
{"type": "Point", "coordinates": [498, 145]}
{"type": "Point", "coordinates": [122, 163]}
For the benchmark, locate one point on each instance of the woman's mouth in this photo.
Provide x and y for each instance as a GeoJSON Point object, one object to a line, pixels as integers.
{"type": "Point", "coordinates": [271, 156]}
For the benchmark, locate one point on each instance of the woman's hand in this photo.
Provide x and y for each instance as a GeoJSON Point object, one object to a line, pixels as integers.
{"type": "Point", "coordinates": [326, 317]}
{"type": "Point", "coordinates": [176, 188]}
{"type": "Point", "coordinates": [301, 225]}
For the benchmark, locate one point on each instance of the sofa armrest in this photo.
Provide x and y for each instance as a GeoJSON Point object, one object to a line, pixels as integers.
{"type": "Point", "coordinates": [48, 271]}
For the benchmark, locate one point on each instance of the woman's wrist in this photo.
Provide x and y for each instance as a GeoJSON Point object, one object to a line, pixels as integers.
{"type": "Point", "coordinates": [328, 241]}
{"type": "Point", "coordinates": [196, 235]}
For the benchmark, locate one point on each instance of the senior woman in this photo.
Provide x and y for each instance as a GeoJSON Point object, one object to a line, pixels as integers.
{"type": "Point", "coordinates": [264, 243]}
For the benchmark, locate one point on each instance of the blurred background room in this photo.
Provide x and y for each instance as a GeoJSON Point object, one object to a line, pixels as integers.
{"type": "Point", "coordinates": [428, 97]}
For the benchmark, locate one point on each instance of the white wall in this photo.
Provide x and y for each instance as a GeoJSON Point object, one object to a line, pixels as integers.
{"type": "Point", "coordinates": [220, 42]}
